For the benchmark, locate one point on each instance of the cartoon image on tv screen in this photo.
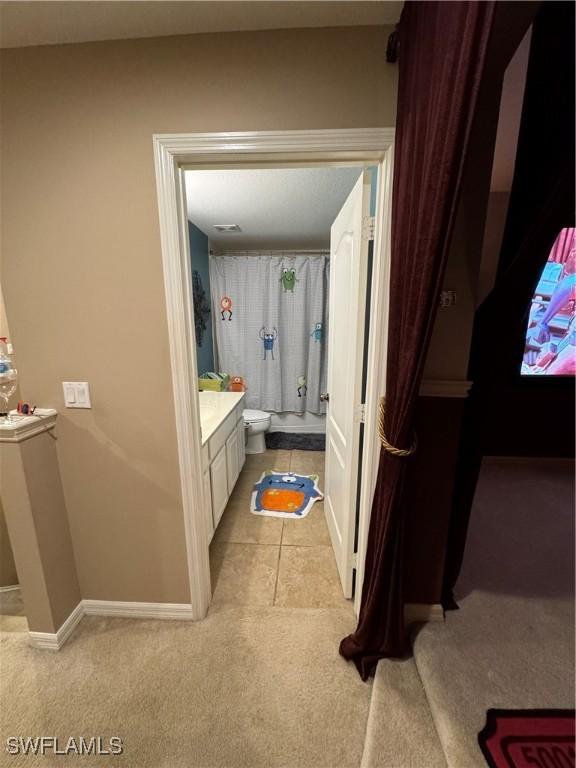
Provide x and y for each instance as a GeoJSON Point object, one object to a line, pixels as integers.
{"type": "Point", "coordinates": [551, 335]}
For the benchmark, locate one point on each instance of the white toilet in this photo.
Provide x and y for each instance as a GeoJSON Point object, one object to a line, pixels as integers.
{"type": "Point", "coordinates": [257, 424]}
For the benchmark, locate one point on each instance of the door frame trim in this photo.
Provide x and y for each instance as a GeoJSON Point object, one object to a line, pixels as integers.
{"type": "Point", "coordinates": [173, 153]}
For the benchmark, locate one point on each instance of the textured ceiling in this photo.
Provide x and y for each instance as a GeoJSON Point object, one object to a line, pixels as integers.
{"type": "Point", "coordinates": [275, 208]}
{"type": "Point", "coordinates": [53, 22]}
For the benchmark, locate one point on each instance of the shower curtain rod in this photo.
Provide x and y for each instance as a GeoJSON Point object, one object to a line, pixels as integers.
{"type": "Point", "coordinates": [319, 252]}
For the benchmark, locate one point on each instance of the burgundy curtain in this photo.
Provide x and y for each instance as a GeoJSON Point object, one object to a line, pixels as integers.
{"type": "Point", "coordinates": [442, 53]}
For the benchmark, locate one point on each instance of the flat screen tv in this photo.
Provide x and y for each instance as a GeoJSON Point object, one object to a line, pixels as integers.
{"type": "Point", "coordinates": [550, 348]}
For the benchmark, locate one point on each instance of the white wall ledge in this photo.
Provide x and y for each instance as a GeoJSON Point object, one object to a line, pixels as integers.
{"type": "Point", "coordinates": [444, 388]}
{"type": "Point", "coordinates": [21, 428]}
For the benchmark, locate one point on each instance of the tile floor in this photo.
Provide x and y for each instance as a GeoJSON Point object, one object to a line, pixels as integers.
{"type": "Point", "coordinates": [12, 616]}
{"type": "Point", "coordinates": [258, 560]}
{"type": "Point", "coordinates": [11, 603]}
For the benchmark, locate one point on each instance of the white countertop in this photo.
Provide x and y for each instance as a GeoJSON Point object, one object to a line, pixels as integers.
{"type": "Point", "coordinates": [22, 427]}
{"type": "Point", "coordinates": [214, 408]}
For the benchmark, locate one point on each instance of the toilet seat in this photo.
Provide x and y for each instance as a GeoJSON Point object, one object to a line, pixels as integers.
{"type": "Point", "coordinates": [252, 417]}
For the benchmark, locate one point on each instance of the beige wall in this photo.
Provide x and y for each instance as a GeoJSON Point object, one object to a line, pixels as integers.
{"type": "Point", "coordinates": [509, 117]}
{"type": "Point", "coordinates": [492, 242]}
{"type": "Point", "coordinates": [449, 350]}
{"type": "Point", "coordinates": [8, 575]}
{"type": "Point", "coordinates": [81, 263]}
{"type": "Point", "coordinates": [39, 529]}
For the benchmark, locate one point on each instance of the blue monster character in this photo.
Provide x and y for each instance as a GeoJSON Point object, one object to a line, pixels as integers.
{"type": "Point", "coordinates": [285, 493]}
{"type": "Point", "coordinates": [268, 337]}
{"type": "Point", "coordinates": [289, 279]}
{"type": "Point", "coordinates": [318, 332]}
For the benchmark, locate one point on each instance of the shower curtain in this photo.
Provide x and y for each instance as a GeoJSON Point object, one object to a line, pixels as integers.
{"type": "Point", "coordinates": [270, 327]}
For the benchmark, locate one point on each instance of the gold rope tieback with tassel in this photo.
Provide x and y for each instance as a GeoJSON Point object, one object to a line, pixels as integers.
{"type": "Point", "coordinates": [399, 452]}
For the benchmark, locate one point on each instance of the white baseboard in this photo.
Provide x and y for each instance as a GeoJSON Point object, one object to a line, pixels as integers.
{"type": "Point", "coordinates": [10, 589]}
{"type": "Point", "coordinates": [54, 641]}
{"type": "Point", "coordinates": [413, 612]}
{"type": "Point", "coordinates": [312, 429]}
{"type": "Point", "coordinates": [175, 611]}
{"type": "Point", "coordinates": [422, 612]}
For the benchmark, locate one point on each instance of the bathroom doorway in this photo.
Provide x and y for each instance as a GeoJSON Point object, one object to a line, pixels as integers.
{"type": "Point", "coordinates": [279, 287]}
{"type": "Point", "coordinates": [356, 330]}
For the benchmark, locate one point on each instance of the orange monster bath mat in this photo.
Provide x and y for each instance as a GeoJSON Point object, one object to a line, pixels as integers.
{"type": "Point", "coordinates": [285, 494]}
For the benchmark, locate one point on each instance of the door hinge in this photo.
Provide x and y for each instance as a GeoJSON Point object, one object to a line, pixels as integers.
{"type": "Point", "coordinates": [368, 224]}
{"type": "Point", "coordinates": [354, 559]}
{"type": "Point", "coordinates": [361, 413]}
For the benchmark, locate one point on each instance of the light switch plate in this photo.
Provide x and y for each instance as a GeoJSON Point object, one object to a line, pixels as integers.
{"type": "Point", "coordinates": [447, 298]}
{"type": "Point", "coordinates": [76, 394]}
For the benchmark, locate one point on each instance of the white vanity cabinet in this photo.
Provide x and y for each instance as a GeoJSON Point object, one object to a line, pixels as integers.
{"type": "Point", "coordinates": [223, 455]}
{"type": "Point", "coordinates": [219, 483]}
{"type": "Point", "coordinates": [208, 518]}
{"type": "Point", "coordinates": [241, 432]}
{"type": "Point", "coordinates": [207, 492]}
{"type": "Point", "coordinates": [232, 459]}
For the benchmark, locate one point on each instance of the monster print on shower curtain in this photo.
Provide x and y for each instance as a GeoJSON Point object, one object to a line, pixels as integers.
{"type": "Point", "coordinates": [277, 339]}
{"type": "Point", "coordinates": [201, 307]}
{"type": "Point", "coordinates": [268, 337]}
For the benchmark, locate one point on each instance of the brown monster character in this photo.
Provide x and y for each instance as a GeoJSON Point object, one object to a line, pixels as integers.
{"type": "Point", "coordinates": [237, 384]}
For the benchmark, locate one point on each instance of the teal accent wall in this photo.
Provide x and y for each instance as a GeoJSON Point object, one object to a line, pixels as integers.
{"type": "Point", "coordinates": [199, 257]}
{"type": "Point", "coordinates": [373, 188]}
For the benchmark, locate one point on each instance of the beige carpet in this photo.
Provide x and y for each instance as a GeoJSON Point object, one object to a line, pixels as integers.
{"type": "Point", "coordinates": [400, 732]}
{"type": "Point", "coordinates": [511, 644]}
{"type": "Point", "coordinates": [264, 686]}
{"type": "Point", "coordinates": [246, 687]}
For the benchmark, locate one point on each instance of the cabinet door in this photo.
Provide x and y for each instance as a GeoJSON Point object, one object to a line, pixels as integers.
{"type": "Point", "coordinates": [208, 519]}
{"type": "Point", "coordinates": [232, 459]}
{"type": "Point", "coordinates": [241, 429]}
{"type": "Point", "coordinates": [219, 482]}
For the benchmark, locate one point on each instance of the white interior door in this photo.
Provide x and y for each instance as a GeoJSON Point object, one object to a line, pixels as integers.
{"type": "Point", "coordinates": [349, 242]}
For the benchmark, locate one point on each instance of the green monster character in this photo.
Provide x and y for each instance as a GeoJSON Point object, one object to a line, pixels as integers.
{"type": "Point", "coordinates": [302, 386]}
{"type": "Point", "coordinates": [289, 279]}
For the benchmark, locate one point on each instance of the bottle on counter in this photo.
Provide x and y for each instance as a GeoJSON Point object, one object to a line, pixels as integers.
{"type": "Point", "coordinates": [8, 379]}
